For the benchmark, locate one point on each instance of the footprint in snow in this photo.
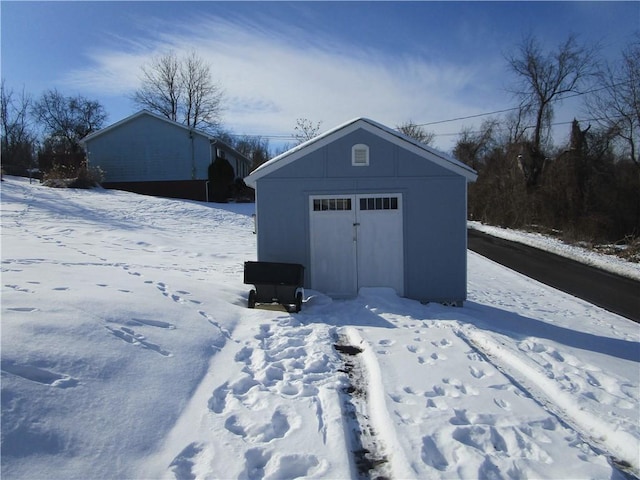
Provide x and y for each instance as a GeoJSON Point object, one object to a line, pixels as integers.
{"type": "Point", "coordinates": [256, 460]}
{"type": "Point", "coordinates": [265, 332]}
{"type": "Point", "coordinates": [475, 356]}
{"type": "Point", "coordinates": [23, 309]}
{"type": "Point", "coordinates": [165, 291]}
{"type": "Point", "coordinates": [19, 289]}
{"type": "Point", "coordinates": [243, 385]}
{"type": "Point", "coordinates": [437, 404]}
{"type": "Point", "coordinates": [183, 464]}
{"type": "Point", "coordinates": [131, 337]}
{"type": "Point", "coordinates": [459, 418]}
{"type": "Point", "coordinates": [296, 466]}
{"type": "Point", "coordinates": [154, 323]}
{"type": "Point", "coordinates": [278, 427]}
{"type": "Point", "coordinates": [218, 400]}
{"type": "Point", "coordinates": [234, 427]}
{"type": "Point", "coordinates": [437, 356]}
{"type": "Point", "coordinates": [38, 375]}
{"type": "Point", "coordinates": [244, 355]}
{"type": "Point", "coordinates": [502, 403]}
{"type": "Point", "coordinates": [444, 343]}
{"type": "Point", "coordinates": [224, 331]}
{"type": "Point", "coordinates": [432, 455]}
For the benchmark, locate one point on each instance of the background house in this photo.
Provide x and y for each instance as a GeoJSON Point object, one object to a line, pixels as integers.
{"type": "Point", "coordinates": [150, 154]}
{"type": "Point", "coordinates": [365, 206]}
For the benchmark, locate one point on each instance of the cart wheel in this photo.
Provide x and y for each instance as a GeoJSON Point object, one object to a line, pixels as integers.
{"type": "Point", "coordinates": [298, 301]}
{"type": "Point", "coordinates": [252, 299]}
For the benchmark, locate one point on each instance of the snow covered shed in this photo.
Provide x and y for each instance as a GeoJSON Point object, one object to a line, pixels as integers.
{"type": "Point", "coordinates": [150, 154]}
{"type": "Point", "coordinates": [364, 206]}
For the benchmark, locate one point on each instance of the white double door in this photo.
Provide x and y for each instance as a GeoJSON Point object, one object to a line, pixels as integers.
{"type": "Point", "coordinates": [356, 241]}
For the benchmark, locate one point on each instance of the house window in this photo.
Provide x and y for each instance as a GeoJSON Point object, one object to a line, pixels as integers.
{"type": "Point", "coordinates": [360, 155]}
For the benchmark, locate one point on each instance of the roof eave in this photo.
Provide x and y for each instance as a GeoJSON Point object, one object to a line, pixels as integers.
{"type": "Point", "coordinates": [140, 113]}
{"type": "Point", "coordinates": [318, 142]}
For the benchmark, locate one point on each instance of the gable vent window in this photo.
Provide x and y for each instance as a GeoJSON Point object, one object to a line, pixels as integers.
{"type": "Point", "coordinates": [360, 155]}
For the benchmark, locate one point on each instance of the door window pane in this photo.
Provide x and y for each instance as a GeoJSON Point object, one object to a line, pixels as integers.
{"type": "Point", "coordinates": [379, 203]}
{"type": "Point", "coordinates": [331, 204]}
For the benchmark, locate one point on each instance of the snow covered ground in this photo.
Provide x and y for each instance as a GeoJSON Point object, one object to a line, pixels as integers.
{"type": "Point", "coordinates": [128, 352]}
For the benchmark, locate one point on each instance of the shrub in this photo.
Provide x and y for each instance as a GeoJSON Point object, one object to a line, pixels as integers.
{"type": "Point", "coordinates": [62, 176]}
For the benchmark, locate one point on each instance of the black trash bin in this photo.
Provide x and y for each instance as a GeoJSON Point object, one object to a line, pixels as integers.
{"type": "Point", "coordinates": [275, 282]}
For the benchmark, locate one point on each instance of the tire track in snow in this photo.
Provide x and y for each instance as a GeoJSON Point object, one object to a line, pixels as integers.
{"type": "Point", "coordinates": [377, 451]}
{"type": "Point", "coordinates": [546, 392]}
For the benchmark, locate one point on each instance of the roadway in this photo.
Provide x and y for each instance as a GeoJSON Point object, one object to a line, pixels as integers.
{"type": "Point", "coordinates": [620, 295]}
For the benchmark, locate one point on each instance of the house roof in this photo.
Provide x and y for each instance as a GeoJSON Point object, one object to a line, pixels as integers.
{"type": "Point", "coordinates": [403, 141]}
{"type": "Point", "coordinates": [141, 113]}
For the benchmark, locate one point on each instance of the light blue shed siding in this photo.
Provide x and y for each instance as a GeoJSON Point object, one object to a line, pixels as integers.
{"type": "Point", "coordinates": [149, 149]}
{"type": "Point", "coordinates": [434, 209]}
{"type": "Point", "coordinates": [386, 160]}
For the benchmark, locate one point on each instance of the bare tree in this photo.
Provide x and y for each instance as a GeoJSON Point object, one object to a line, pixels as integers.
{"type": "Point", "coordinates": [202, 97]}
{"type": "Point", "coordinates": [417, 132]}
{"type": "Point", "coordinates": [66, 120]}
{"type": "Point", "coordinates": [472, 147]}
{"type": "Point", "coordinates": [514, 126]}
{"type": "Point", "coordinates": [305, 130]}
{"type": "Point", "coordinates": [18, 138]}
{"type": "Point", "coordinates": [545, 77]}
{"type": "Point", "coordinates": [616, 103]}
{"type": "Point", "coordinates": [182, 90]}
{"type": "Point", "coordinates": [254, 148]}
{"type": "Point", "coordinates": [160, 90]}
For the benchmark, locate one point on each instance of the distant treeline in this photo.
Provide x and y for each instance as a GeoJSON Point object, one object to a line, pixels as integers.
{"type": "Point", "coordinates": [583, 192]}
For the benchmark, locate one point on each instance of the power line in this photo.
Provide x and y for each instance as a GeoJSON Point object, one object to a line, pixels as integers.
{"type": "Point", "coordinates": [555, 124]}
{"type": "Point", "coordinates": [505, 110]}
{"type": "Point", "coordinates": [467, 117]}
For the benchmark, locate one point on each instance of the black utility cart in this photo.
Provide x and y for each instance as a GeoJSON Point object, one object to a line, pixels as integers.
{"type": "Point", "coordinates": [275, 283]}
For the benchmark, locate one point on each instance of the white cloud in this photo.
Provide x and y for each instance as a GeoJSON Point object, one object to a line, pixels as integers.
{"type": "Point", "coordinates": [273, 76]}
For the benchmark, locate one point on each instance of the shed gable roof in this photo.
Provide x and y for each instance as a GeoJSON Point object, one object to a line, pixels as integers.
{"type": "Point", "coordinates": [373, 127]}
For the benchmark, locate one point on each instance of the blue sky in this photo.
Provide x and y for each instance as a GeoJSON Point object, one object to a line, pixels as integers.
{"type": "Point", "coordinates": [325, 61]}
